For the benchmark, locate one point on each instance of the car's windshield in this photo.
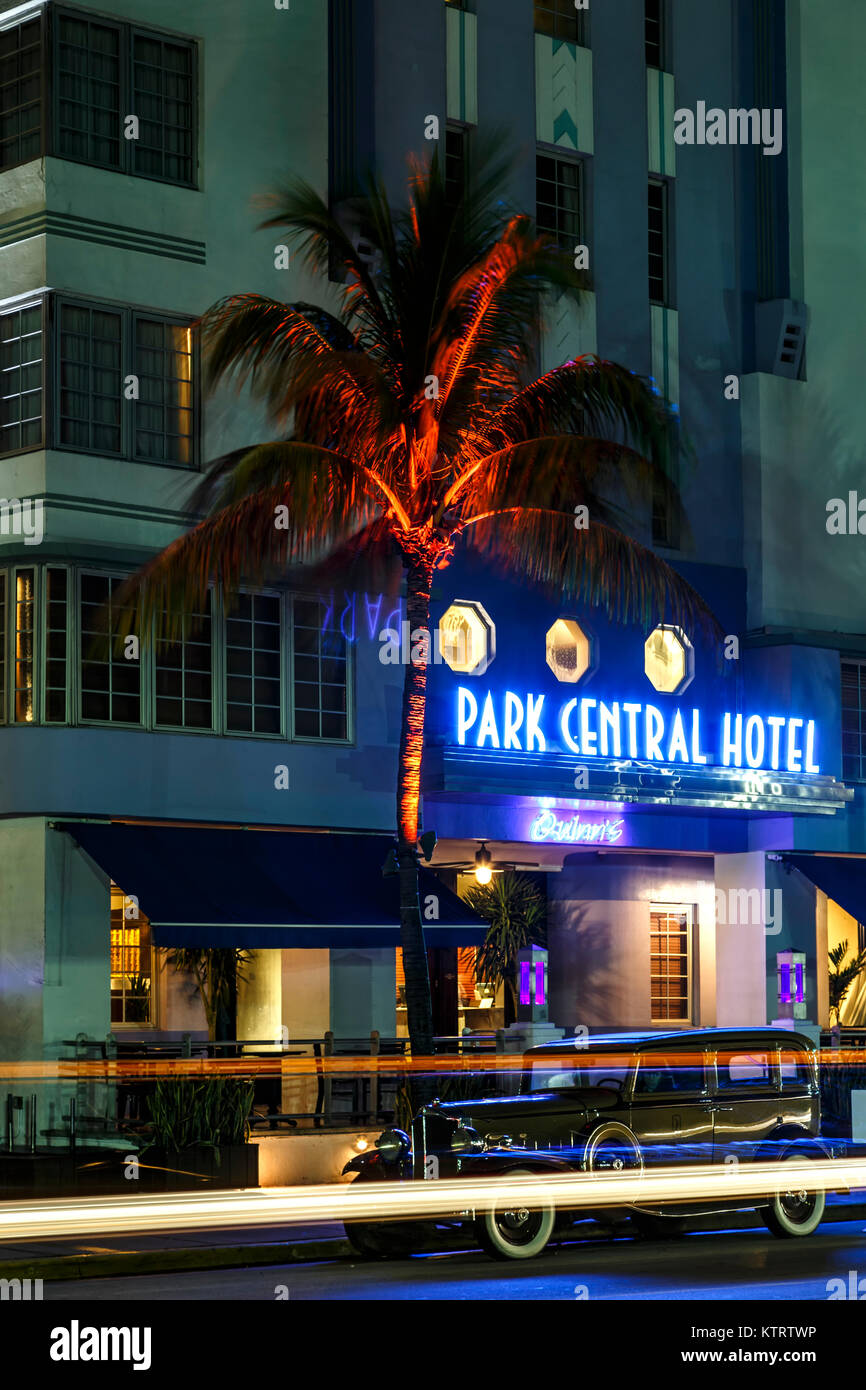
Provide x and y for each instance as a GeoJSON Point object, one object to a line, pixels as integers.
{"type": "Point", "coordinates": [548, 1075]}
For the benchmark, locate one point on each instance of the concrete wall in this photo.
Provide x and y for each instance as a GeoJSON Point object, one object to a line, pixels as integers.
{"type": "Point", "coordinates": [803, 438]}
{"type": "Point", "coordinates": [740, 949]}
{"type": "Point", "coordinates": [599, 937]}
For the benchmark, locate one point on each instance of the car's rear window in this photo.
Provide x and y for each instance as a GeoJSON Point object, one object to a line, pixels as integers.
{"type": "Point", "coordinates": [744, 1070]}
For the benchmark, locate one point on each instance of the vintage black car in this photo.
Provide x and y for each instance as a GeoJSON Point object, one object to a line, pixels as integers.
{"type": "Point", "coordinates": [626, 1101]}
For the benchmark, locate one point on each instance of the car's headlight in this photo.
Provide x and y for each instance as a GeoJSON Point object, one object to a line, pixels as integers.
{"type": "Point", "coordinates": [464, 1139]}
{"type": "Point", "coordinates": [394, 1145]}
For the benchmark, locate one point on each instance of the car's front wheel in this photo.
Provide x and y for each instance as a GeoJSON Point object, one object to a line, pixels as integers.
{"type": "Point", "coordinates": [795, 1210]}
{"type": "Point", "coordinates": [514, 1230]}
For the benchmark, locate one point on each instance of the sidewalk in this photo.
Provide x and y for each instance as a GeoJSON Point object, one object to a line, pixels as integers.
{"type": "Point", "coordinates": [164, 1252]}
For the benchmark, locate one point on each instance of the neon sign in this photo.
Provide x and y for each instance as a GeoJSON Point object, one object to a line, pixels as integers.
{"type": "Point", "coordinates": [576, 829]}
{"type": "Point", "coordinates": [594, 728]}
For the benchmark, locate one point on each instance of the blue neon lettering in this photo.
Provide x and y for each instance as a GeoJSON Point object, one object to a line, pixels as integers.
{"type": "Point", "coordinates": [755, 754]}
{"type": "Point", "coordinates": [588, 737]}
{"type": "Point", "coordinates": [533, 731]}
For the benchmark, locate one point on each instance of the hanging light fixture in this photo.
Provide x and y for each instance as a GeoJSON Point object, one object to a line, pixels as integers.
{"type": "Point", "coordinates": [483, 865]}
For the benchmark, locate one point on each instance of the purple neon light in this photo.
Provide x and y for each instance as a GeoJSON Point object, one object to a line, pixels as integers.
{"type": "Point", "coordinates": [799, 983]}
{"type": "Point", "coordinates": [784, 984]}
{"type": "Point", "coordinates": [524, 982]}
{"type": "Point", "coordinates": [539, 982]}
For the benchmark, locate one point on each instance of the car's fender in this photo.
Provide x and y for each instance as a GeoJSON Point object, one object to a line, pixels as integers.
{"type": "Point", "coordinates": [497, 1162]}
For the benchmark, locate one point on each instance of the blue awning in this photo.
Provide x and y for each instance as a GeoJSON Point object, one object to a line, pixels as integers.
{"type": "Point", "coordinates": [261, 888]}
{"type": "Point", "coordinates": [841, 877]}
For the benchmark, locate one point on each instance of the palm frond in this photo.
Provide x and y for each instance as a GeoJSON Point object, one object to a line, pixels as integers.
{"type": "Point", "coordinates": [599, 566]}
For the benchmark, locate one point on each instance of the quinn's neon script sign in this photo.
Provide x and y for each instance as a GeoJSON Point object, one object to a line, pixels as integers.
{"type": "Point", "coordinates": [571, 829]}
{"type": "Point", "coordinates": [592, 729]}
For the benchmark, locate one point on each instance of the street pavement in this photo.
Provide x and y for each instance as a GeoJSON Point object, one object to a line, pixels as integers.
{"type": "Point", "coordinates": [715, 1266]}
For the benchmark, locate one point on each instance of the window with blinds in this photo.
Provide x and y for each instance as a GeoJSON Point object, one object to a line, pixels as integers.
{"type": "Point", "coordinates": [68, 90]}
{"type": "Point", "coordinates": [132, 962]}
{"type": "Point", "coordinates": [670, 963]}
{"type": "Point", "coordinates": [22, 351]}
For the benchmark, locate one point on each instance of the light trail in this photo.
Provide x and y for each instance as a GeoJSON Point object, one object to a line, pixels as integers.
{"type": "Point", "coordinates": [120, 1069]}
{"type": "Point", "coordinates": [445, 1198]}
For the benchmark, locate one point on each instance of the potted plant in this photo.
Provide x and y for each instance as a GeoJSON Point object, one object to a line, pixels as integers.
{"type": "Point", "coordinates": [842, 976]}
{"type": "Point", "coordinates": [199, 1133]}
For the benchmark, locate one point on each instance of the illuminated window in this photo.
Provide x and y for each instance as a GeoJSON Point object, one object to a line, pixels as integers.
{"type": "Point", "coordinates": [124, 382]}
{"type": "Point", "coordinates": [162, 362]}
{"type": "Point", "coordinates": [467, 637]}
{"type": "Point", "coordinates": [567, 650]}
{"type": "Point", "coordinates": [670, 963]}
{"type": "Point", "coordinates": [25, 620]}
{"type": "Point", "coordinates": [132, 962]}
{"type": "Point", "coordinates": [669, 660]}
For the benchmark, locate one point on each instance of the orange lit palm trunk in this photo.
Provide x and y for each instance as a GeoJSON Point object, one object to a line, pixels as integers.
{"type": "Point", "coordinates": [420, 1017]}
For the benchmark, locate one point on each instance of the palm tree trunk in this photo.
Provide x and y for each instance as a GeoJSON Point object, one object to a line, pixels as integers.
{"type": "Point", "coordinates": [418, 1005]}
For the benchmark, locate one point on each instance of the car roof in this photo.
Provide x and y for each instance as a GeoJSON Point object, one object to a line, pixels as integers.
{"type": "Point", "coordinates": [695, 1037]}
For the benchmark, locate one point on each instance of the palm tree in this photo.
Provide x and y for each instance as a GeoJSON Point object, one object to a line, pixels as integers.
{"type": "Point", "coordinates": [842, 976]}
{"type": "Point", "coordinates": [514, 910]}
{"type": "Point", "coordinates": [409, 424]}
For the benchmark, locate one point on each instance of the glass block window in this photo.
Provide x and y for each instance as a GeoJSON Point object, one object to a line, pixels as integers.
{"type": "Point", "coordinates": [184, 675]}
{"type": "Point", "coordinates": [21, 401]}
{"type": "Point", "coordinates": [320, 662]}
{"type": "Point", "coordinates": [560, 20]}
{"type": "Point", "coordinates": [253, 665]}
{"type": "Point", "coordinates": [854, 721]}
{"type": "Point", "coordinates": [162, 98]}
{"type": "Point", "coordinates": [20, 93]}
{"type": "Point", "coordinates": [56, 643]}
{"type": "Point", "coordinates": [558, 198]}
{"type": "Point", "coordinates": [164, 410]}
{"type": "Point", "coordinates": [654, 33]}
{"type": "Point", "coordinates": [3, 620]}
{"type": "Point", "coordinates": [658, 241]}
{"type": "Point", "coordinates": [110, 680]}
{"type": "Point", "coordinates": [132, 962]}
{"type": "Point", "coordinates": [670, 963]}
{"type": "Point", "coordinates": [91, 379]}
{"type": "Point", "coordinates": [25, 634]}
{"type": "Point", "coordinates": [88, 79]}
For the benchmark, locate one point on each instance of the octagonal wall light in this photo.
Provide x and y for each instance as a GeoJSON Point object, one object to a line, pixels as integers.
{"type": "Point", "coordinates": [568, 651]}
{"type": "Point", "coordinates": [669, 660]}
{"type": "Point", "coordinates": [467, 637]}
